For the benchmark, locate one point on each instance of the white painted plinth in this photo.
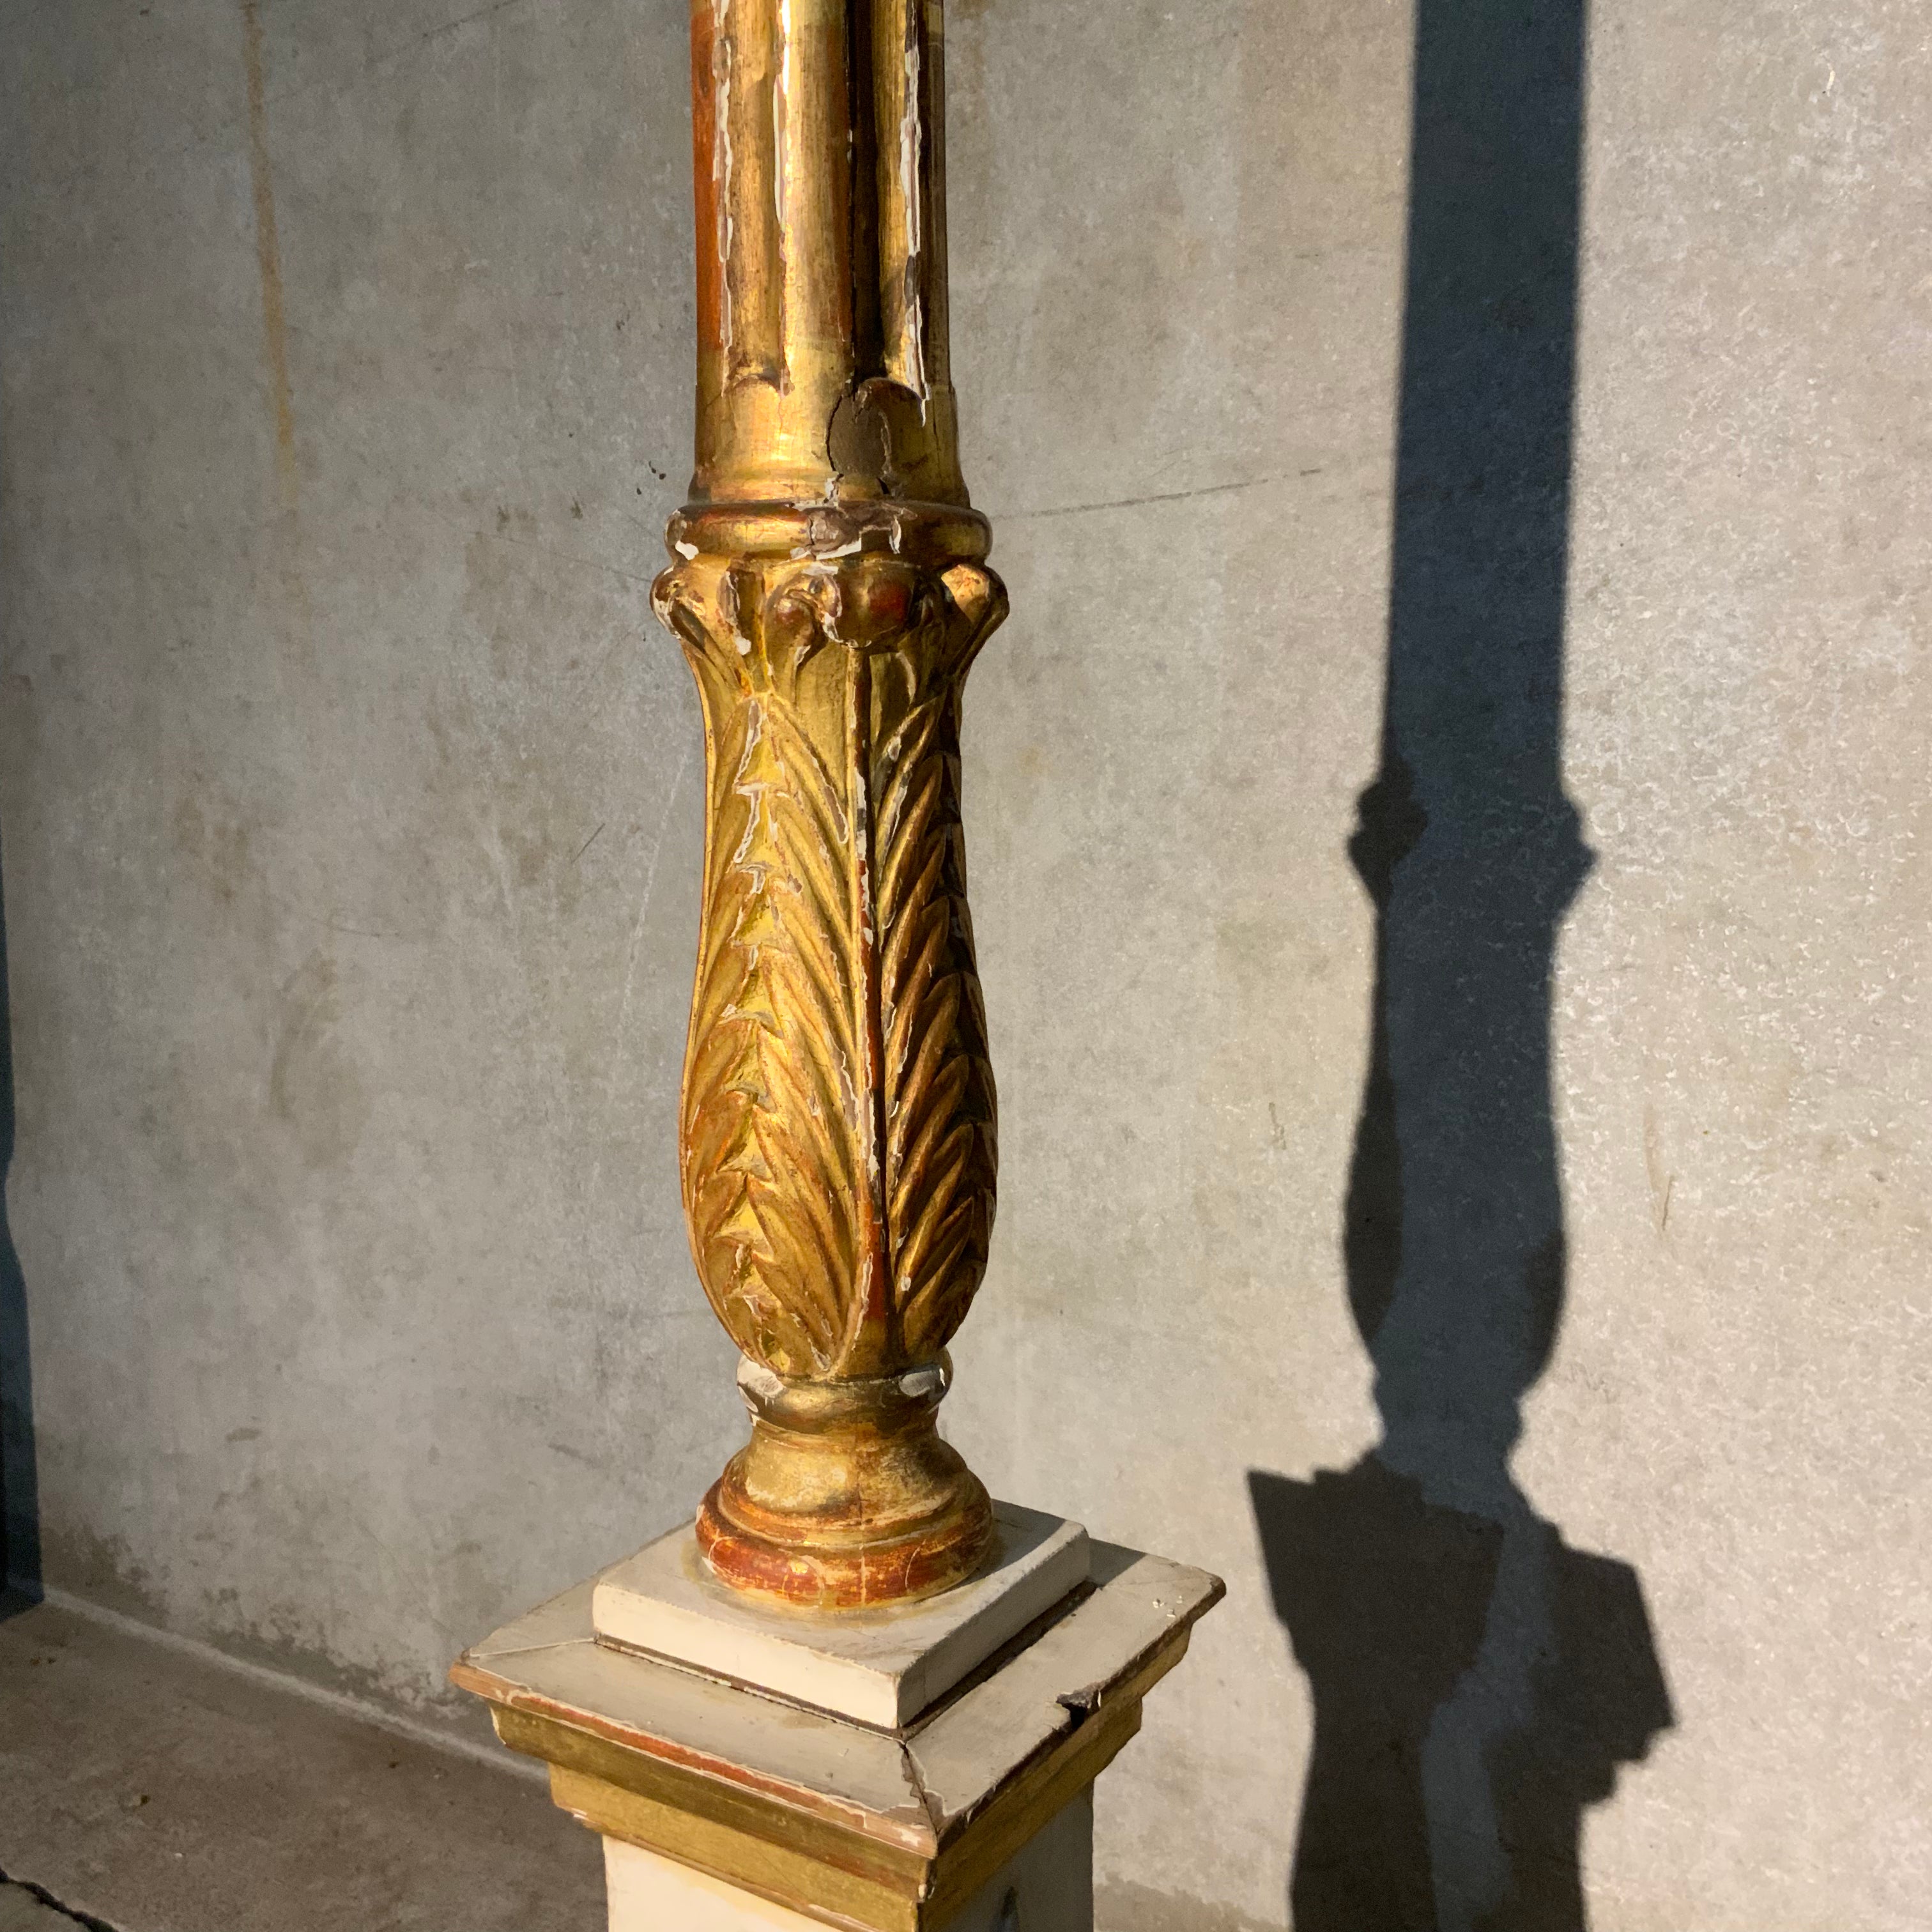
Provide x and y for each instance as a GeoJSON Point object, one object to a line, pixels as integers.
{"type": "Point", "coordinates": [728, 1810]}
{"type": "Point", "coordinates": [1047, 1887]}
{"type": "Point", "coordinates": [881, 1667]}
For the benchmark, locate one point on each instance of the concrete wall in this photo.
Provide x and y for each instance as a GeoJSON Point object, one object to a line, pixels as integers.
{"type": "Point", "coordinates": [351, 815]}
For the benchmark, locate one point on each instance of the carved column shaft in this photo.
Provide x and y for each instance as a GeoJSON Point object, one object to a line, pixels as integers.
{"type": "Point", "coordinates": [837, 1138]}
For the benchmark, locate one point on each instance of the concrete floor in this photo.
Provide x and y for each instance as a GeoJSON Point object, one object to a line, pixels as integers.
{"type": "Point", "coordinates": [21, 1911]}
{"type": "Point", "coordinates": [151, 1788]}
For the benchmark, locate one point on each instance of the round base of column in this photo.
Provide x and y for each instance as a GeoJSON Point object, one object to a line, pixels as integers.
{"type": "Point", "coordinates": [845, 1497]}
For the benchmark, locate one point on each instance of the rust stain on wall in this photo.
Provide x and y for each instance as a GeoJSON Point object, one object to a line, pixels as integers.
{"type": "Point", "coordinates": [268, 252]}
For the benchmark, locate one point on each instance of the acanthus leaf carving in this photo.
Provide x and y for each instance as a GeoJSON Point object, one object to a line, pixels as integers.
{"type": "Point", "coordinates": [839, 1139]}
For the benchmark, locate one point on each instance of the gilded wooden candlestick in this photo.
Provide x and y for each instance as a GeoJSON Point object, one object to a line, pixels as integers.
{"type": "Point", "coordinates": [837, 1138]}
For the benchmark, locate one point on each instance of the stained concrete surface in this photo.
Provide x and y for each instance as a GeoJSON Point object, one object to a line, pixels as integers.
{"type": "Point", "coordinates": [350, 821]}
{"type": "Point", "coordinates": [158, 1791]}
{"type": "Point", "coordinates": [22, 1910]}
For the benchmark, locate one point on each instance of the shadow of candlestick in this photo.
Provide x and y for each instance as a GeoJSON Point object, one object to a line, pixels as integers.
{"type": "Point", "coordinates": [20, 1488]}
{"type": "Point", "coordinates": [1476, 1681]}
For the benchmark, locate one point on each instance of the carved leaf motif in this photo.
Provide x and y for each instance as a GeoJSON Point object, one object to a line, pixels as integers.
{"type": "Point", "coordinates": [770, 1174]}
{"type": "Point", "coordinates": [838, 1145]}
{"type": "Point", "coordinates": [941, 1144]}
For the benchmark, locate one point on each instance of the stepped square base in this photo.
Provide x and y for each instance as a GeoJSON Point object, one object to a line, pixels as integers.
{"type": "Point", "coordinates": [879, 1666]}
{"type": "Point", "coordinates": [726, 1808]}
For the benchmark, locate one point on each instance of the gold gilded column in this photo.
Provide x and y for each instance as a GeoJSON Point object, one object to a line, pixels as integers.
{"type": "Point", "coordinates": [837, 1138]}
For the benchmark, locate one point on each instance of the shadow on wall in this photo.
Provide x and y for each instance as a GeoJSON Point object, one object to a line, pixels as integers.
{"type": "Point", "coordinates": [1476, 1681]}
{"type": "Point", "coordinates": [20, 1488]}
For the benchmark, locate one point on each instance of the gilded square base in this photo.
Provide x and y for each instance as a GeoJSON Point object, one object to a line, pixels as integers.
{"type": "Point", "coordinates": [836, 1822]}
{"type": "Point", "coordinates": [1047, 1886]}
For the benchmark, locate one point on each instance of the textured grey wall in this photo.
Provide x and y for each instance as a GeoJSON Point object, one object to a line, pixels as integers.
{"type": "Point", "coordinates": [351, 818]}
